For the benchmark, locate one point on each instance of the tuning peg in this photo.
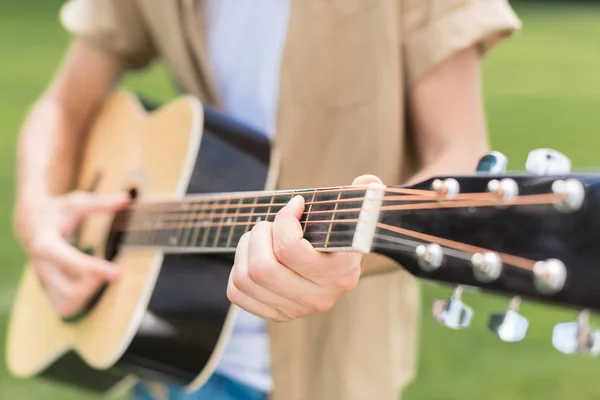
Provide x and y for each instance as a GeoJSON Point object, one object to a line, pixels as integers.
{"type": "Point", "coordinates": [509, 326]}
{"type": "Point", "coordinates": [547, 162]}
{"type": "Point", "coordinates": [549, 276]}
{"type": "Point", "coordinates": [453, 313]}
{"type": "Point", "coordinates": [493, 163]}
{"type": "Point", "coordinates": [430, 256]}
{"type": "Point", "coordinates": [487, 267]}
{"type": "Point", "coordinates": [506, 189]}
{"type": "Point", "coordinates": [577, 337]}
{"type": "Point", "coordinates": [571, 193]}
{"type": "Point", "coordinates": [446, 188]}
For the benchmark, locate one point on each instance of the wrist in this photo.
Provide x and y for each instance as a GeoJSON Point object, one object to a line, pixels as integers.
{"type": "Point", "coordinates": [27, 211]}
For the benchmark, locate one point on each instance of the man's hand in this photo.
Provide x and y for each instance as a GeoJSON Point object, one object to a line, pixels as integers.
{"type": "Point", "coordinates": [279, 276]}
{"type": "Point", "coordinates": [69, 277]}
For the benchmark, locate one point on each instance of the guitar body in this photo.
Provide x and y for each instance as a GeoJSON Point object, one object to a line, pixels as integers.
{"type": "Point", "coordinates": [167, 317]}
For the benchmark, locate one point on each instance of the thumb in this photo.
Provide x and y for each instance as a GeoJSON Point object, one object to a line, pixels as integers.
{"type": "Point", "coordinates": [83, 203]}
{"type": "Point", "coordinates": [364, 180]}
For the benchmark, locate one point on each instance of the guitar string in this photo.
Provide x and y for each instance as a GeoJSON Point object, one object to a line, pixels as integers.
{"type": "Point", "coordinates": [542, 199]}
{"type": "Point", "coordinates": [178, 210]}
{"type": "Point", "coordinates": [451, 248]}
{"type": "Point", "coordinates": [185, 206]}
{"type": "Point", "coordinates": [225, 207]}
{"type": "Point", "coordinates": [517, 261]}
{"type": "Point", "coordinates": [400, 244]}
{"type": "Point", "coordinates": [266, 194]}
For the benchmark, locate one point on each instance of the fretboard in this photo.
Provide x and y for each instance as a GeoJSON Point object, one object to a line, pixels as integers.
{"type": "Point", "coordinates": [216, 223]}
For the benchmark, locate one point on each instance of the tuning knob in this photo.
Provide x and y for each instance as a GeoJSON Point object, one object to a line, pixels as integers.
{"type": "Point", "coordinates": [509, 326]}
{"type": "Point", "coordinates": [487, 267]}
{"type": "Point", "coordinates": [446, 188]}
{"type": "Point", "coordinates": [571, 193]}
{"type": "Point", "coordinates": [549, 276]}
{"type": "Point", "coordinates": [430, 256]}
{"type": "Point", "coordinates": [453, 313]}
{"type": "Point", "coordinates": [493, 163]}
{"type": "Point", "coordinates": [577, 337]}
{"type": "Point", "coordinates": [547, 162]}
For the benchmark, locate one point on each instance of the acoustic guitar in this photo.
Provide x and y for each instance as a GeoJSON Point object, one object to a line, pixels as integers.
{"type": "Point", "coordinates": [200, 181]}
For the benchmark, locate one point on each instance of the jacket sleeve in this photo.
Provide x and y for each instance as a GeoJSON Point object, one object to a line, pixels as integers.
{"type": "Point", "coordinates": [116, 26]}
{"type": "Point", "coordinates": [433, 30]}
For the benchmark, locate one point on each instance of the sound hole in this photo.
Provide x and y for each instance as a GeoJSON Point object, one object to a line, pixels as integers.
{"type": "Point", "coordinates": [113, 244]}
{"type": "Point", "coordinates": [116, 234]}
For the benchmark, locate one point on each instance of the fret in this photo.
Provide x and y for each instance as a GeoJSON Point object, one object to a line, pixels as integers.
{"type": "Point", "coordinates": [214, 223]}
{"type": "Point", "coordinates": [207, 222]}
{"type": "Point", "coordinates": [132, 232]}
{"type": "Point", "coordinates": [332, 218]}
{"type": "Point", "coordinates": [176, 218]}
{"type": "Point", "coordinates": [243, 221]}
{"type": "Point", "coordinates": [306, 214]}
{"type": "Point", "coordinates": [142, 227]}
{"type": "Point", "coordinates": [251, 213]}
{"type": "Point", "coordinates": [160, 224]}
{"type": "Point", "coordinates": [278, 201]}
{"type": "Point", "coordinates": [343, 226]}
{"type": "Point", "coordinates": [223, 211]}
{"type": "Point", "coordinates": [234, 221]}
{"type": "Point", "coordinates": [263, 204]}
{"type": "Point", "coordinates": [231, 210]}
{"type": "Point", "coordinates": [332, 229]}
{"type": "Point", "coordinates": [202, 210]}
{"type": "Point", "coordinates": [269, 217]}
{"type": "Point", "coordinates": [188, 219]}
{"type": "Point", "coordinates": [160, 228]}
{"type": "Point", "coordinates": [316, 230]}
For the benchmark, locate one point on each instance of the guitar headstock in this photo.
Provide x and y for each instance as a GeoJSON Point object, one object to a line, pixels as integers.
{"type": "Point", "coordinates": [530, 235]}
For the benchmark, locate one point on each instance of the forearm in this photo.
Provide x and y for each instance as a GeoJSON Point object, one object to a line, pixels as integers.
{"type": "Point", "coordinates": [447, 125]}
{"type": "Point", "coordinates": [47, 152]}
{"type": "Point", "coordinates": [448, 119]}
{"type": "Point", "coordinates": [55, 129]}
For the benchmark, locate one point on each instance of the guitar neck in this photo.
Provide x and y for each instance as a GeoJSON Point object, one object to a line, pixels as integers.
{"type": "Point", "coordinates": [215, 223]}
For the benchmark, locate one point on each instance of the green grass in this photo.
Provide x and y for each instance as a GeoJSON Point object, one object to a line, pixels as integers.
{"type": "Point", "coordinates": [542, 90]}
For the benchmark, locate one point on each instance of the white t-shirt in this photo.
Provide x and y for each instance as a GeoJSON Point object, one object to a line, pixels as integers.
{"type": "Point", "coordinates": [245, 40]}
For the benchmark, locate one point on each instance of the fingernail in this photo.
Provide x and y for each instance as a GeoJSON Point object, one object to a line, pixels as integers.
{"type": "Point", "coordinates": [297, 200]}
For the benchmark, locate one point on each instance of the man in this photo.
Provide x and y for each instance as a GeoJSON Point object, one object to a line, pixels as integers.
{"type": "Point", "coordinates": [343, 88]}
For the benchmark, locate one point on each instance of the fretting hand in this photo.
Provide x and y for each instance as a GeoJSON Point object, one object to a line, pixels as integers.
{"type": "Point", "coordinates": [279, 276]}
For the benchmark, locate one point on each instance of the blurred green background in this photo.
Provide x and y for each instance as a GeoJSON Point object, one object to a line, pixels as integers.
{"type": "Point", "coordinates": [542, 89]}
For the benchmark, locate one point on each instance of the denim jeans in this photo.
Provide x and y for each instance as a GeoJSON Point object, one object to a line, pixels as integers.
{"type": "Point", "coordinates": [218, 387]}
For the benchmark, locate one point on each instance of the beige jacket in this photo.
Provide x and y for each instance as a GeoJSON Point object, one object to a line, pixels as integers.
{"type": "Point", "coordinates": [346, 67]}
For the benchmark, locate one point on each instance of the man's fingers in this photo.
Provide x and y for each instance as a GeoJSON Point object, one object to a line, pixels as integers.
{"type": "Point", "coordinates": [241, 251]}
{"type": "Point", "coordinates": [242, 300]}
{"type": "Point", "coordinates": [287, 231]}
{"type": "Point", "coordinates": [52, 278]}
{"type": "Point", "coordinates": [291, 214]}
{"type": "Point", "coordinates": [255, 268]}
{"type": "Point", "coordinates": [66, 295]}
{"type": "Point", "coordinates": [365, 180]}
{"type": "Point", "coordinates": [253, 306]}
{"type": "Point", "coordinates": [73, 262]}
{"type": "Point", "coordinates": [84, 203]}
